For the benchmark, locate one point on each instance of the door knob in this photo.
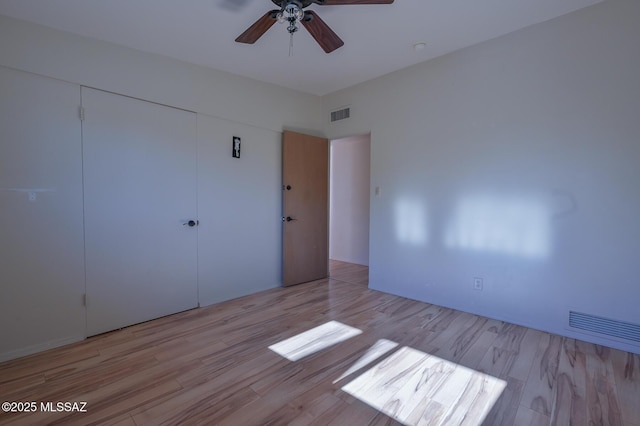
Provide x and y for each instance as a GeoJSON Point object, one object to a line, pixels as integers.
{"type": "Point", "coordinates": [289, 219]}
{"type": "Point", "coordinates": [192, 223]}
{"type": "Point", "coordinates": [288, 187]}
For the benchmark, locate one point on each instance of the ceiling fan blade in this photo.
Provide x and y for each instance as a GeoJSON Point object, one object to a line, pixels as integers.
{"type": "Point", "coordinates": [338, 2]}
{"type": "Point", "coordinates": [255, 31]}
{"type": "Point", "coordinates": [320, 31]}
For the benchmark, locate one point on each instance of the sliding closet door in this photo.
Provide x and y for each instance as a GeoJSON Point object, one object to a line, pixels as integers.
{"type": "Point", "coordinates": [140, 194]}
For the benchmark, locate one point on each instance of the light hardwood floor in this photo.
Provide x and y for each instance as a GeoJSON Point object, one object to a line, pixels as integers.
{"type": "Point", "coordinates": [213, 365]}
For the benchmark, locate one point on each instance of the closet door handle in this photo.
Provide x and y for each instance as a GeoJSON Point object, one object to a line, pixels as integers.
{"type": "Point", "coordinates": [192, 223]}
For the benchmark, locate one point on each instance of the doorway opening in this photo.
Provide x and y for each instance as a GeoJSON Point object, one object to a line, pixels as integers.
{"type": "Point", "coordinates": [349, 189]}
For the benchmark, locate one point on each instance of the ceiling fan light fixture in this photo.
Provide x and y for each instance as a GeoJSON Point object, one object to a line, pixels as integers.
{"type": "Point", "coordinates": [292, 12]}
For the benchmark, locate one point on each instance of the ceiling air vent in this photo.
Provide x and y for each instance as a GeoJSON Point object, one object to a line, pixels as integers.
{"type": "Point", "coordinates": [609, 327]}
{"type": "Point", "coordinates": [341, 114]}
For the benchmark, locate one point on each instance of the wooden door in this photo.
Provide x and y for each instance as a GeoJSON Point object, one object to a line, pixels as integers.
{"type": "Point", "coordinates": [140, 194]}
{"type": "Point", "coordinates": [305, 174]}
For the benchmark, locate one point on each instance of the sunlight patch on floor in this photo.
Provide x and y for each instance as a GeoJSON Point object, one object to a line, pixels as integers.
{"type": "Point", "coordinates": [380, 348]}
{"type": "Point", "coordinates": [409, 385]}
{"type": "Point", "coordinates": [417, 388]}
{"type": "Point", "coordinates": [314, 340]}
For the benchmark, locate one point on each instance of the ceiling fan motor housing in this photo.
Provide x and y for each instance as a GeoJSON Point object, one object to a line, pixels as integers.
{"type": "Point", "coordinates": [282, 4]}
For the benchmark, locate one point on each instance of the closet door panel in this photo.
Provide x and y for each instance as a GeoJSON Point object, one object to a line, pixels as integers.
{"type": "Point", "coordinates": [140, 194]}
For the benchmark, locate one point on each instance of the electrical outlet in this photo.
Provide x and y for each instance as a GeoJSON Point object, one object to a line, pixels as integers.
{"type": "Point", "coordinates": [477, 283]}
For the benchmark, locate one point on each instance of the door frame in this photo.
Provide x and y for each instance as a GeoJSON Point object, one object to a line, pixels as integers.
{"type": "Point", "coordinates": [331, 175]}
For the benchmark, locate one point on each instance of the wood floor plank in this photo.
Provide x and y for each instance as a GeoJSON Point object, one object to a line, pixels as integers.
{"type": "Point", "coordinates": [359, 413]}
{"type": "Point", "coordinates": [513, 360]}
{"type": "Point", "coordinates": [476, 353]}
{"type": "Point", "coordinates": [504, 412]}
{"type": "Point", "coordinates": [570, 404]}
{"type": "Point", "coordinates": [626, 372]}
{"type": "Point", "coordinates": [541, 382]}
{"type": "Point", "coordinates": [39, 363]}
{"type": "Point", "coordinates": [349, 272]}
{"type": "Point", "coordinates": [602, 398]}
{"type": "Point", "coordinates": [213, 365]}
{"type": "Point", "coordinates": [454, 348]}
{"type": "Point", "coordinates": [125, 420]}
{"type": "Point", "coordinates": [205, 402]}
{"type": "Point", "coordinates": [374, 353]}
{"type": "Point", "coordinates": [528, 417]}
{"type": "Point", "coordinates": [315, 409]}
{"type": "Point", "coordinates": [526, 351]}
{"type": "Point", "coordinates": [21, 385]}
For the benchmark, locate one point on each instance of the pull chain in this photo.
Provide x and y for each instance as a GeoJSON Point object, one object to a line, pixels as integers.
{"type": "Point", "coordinates": [290, 44]}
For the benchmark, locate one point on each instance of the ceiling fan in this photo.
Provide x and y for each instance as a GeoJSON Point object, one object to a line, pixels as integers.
{"type": "Point", "coordinates": [292, 12]}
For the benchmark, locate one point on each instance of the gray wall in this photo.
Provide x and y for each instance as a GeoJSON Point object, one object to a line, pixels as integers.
{"type": "Point", "coordinates": [41, 214]}
{"type": "Point", "coordinates": [239, 200]}
{"type": "Point", "coordinates": [240, 210]}
{"type": "Point", "coordinates": [155, 78]}
{"type": "Point", "coordinates": [518, 161]}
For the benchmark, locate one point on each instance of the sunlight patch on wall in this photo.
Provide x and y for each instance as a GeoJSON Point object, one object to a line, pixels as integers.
{"type": "Point", "coordinates": [410, 222]}
{"type": "Point", "coordinates": [417, 388]}
{"type": "Point", "coordinates": [519, 227]}
{"type": "Point", "coordinates": [314, 340]}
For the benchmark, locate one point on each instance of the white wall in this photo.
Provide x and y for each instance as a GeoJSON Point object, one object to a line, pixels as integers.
{"type": "Point", "coordinates": [240, 201]}
{"type": "Point", "coordinates": [516, 160]}
{"type": "Point", "coordinates": [155, 78]}
{"type": "Point", "coordinates": [41, 219]}
{"type": "Point", "coordinates": [349, 204]}
{"type": "Point", "coordinates": [240, 210]}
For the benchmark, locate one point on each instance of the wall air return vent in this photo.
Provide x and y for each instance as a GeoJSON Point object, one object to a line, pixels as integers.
{"type": "Point", "coordinates": [619, 329]}
{"type": "Point", "coordinates": [340, 114]}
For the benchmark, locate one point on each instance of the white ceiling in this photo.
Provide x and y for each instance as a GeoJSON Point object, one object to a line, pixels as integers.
{"type": "Point", "coordinates": [378, 38]}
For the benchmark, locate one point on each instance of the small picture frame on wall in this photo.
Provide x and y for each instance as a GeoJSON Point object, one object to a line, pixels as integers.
{"type": "Point", "coordinates": [236, 147]}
